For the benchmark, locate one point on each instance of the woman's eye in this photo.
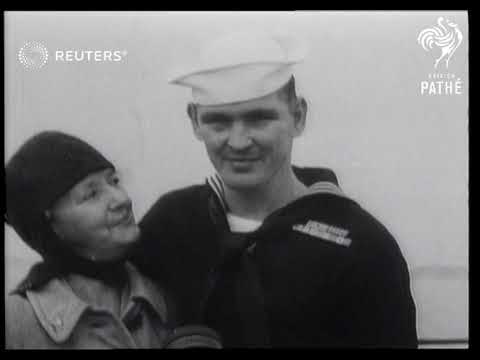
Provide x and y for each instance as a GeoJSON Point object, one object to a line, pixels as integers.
{"type": "Point", "coordinates": [115, 180]}
{"type": "Point", "coordinates": [90, 195]}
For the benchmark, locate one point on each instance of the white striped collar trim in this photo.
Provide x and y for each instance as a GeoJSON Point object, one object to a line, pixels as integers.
{"type": "Point", "coordinates": [216, 184]}
{"type": "Point", "coordinates": [321, 187]}
{"type": "Point", "coordinates": [325, 187]}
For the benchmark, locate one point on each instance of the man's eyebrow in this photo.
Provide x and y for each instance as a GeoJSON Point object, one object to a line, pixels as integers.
{"type": "Point", "coordinates": [215, 116]}
{"type": "Point", "coordinates": [260, 114]}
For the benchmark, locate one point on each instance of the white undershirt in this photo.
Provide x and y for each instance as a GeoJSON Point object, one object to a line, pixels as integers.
{"type": "Point", "coordinates": [241, 224]}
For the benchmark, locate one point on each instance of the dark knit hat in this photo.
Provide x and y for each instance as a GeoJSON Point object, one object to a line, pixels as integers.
{"type": "Point", "coordinates": [45, 167]}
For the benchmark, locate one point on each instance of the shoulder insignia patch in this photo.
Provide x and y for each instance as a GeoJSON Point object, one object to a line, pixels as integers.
{"type": "Point", "coordinates": [325, 232]}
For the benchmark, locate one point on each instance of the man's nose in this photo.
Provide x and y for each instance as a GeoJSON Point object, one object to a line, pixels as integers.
{"type": "Point", "coordinates": [239, 136]}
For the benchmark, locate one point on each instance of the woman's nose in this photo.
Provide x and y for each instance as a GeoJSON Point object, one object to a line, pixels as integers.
{"type": "Point", "coordinates": [119, 199]}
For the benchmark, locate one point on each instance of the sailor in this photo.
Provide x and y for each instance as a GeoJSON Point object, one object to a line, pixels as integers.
{"type": "Point", "coordinates": [267, 253]}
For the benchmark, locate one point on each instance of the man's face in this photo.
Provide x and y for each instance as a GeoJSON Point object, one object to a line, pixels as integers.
{"type": "Point", "coordinates": [95, 217]}
{"type": "Point", "coordinates": [248, 142]}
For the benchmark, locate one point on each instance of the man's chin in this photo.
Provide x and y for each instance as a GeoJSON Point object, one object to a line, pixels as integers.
{"type": "Point", "coordinates": [242, 181]}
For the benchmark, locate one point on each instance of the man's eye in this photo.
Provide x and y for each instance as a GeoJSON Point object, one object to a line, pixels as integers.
{"type": "Point", "coordinates": [214, 123]}
{"type": "Point", "coordinates": [270, 117]}
{"type": "Point", "coordinates": [214, 119]}
{"type": "Point", "coordinates": [218, 126]}
{"type": "Point", "coordinates": [267, 116]}
{"type": "Point", "coordinates": [260, 120]}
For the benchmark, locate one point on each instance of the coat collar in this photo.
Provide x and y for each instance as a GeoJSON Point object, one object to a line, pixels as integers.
{"type": "Point", "coordinates": [142, 288]}
{"type": "Point", "coordinates": [59, 309]}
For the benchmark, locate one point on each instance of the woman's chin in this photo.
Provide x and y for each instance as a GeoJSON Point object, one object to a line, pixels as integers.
{"type": "Point", "coordinates": [130, 238]}
{"type": "Point", "coordinates": [124, 235]}
{"type": "Point", "coordinates": [121, 245]}
{"type": "Point", "coordinates": [133, 234]}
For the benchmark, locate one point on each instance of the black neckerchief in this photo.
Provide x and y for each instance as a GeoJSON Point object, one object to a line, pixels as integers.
{"type": "Point", "coordinates": [235, 289]}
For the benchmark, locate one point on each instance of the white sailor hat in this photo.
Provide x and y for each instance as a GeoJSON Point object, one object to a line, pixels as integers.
{"type": "Point", "coordinates": [241, 66]}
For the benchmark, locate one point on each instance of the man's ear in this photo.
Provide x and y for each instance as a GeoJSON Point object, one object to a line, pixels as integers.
{"type": "Point", "coordinates": [192, 114]}
{"type": "Point", "coordinates": [300, 115]}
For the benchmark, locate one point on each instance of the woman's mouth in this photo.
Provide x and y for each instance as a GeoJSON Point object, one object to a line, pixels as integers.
{"type": "Point", "coordinates": [126, 219]}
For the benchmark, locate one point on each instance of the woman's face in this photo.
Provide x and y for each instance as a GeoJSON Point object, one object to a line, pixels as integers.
{"type": "Point", "coordinates": [95, 218]}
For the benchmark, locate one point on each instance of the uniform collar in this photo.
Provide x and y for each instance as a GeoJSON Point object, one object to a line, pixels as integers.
{"type": "Point", "coordinates": [59, 309]}
{"type": "Point", "coordinates": [319, 181]}
{"type": "Point", "coordinates": [216, 184]}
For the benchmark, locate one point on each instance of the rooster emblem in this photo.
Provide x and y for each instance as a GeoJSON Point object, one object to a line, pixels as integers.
{"type": "Point", "coordinates": [448, 38]}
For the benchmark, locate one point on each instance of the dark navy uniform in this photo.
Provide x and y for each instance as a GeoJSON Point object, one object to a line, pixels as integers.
{"type": "Point", "coordinates": [319, 272]}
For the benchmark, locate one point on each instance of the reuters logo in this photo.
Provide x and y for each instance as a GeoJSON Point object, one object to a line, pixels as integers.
{"type": "Point", "coordinates": [33, 55]}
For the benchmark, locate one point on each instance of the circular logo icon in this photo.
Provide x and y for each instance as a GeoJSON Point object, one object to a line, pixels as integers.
{"type": "Point", "coordinates": [33, 55]}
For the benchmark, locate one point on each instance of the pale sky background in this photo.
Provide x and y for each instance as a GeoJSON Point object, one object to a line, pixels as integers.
{"type": "Point", "coordinates": [402, 155]}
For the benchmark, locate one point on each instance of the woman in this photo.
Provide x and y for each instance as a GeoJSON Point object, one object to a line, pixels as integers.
{"type": "Point", "coordinates": [64, 199]}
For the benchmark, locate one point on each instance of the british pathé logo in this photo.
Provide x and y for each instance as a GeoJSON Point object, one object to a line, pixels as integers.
{"type": "Point", "coordinates": [446, 37]}
{"type": "Point", "coordinates": [325, 232]}
{"type": "Point", "coordinates": [33, 55]}
{"type": "Point", "coordinates": [443, 41]}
